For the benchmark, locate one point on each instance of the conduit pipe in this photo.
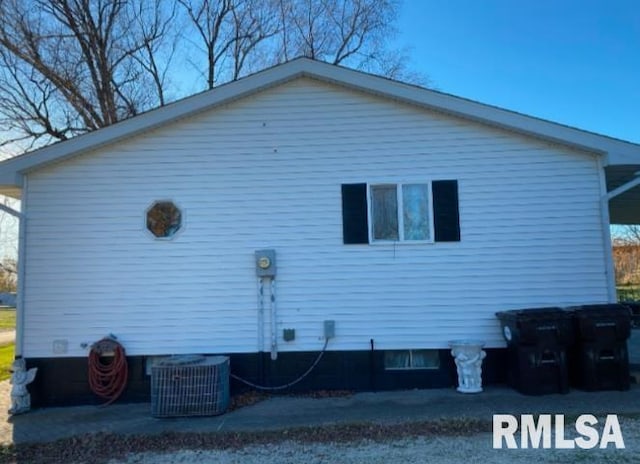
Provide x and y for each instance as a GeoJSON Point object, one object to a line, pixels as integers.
{"type": "Point", "coordinates": [260, 314]}
{"type": "Point", "coordinates": [272, 311]}
{"type": "Point", "coordinates": [270, 282]}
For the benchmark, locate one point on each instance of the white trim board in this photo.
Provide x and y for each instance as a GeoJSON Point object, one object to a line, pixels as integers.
{"type": "Point", "coordinates": [615, 151]}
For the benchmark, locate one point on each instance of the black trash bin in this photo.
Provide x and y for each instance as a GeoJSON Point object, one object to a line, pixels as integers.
{"type": "Point", "coordinates": [599, 359]}
{"type": "Point", "coordinates": [537, 344]}
{"type": "Point", "coordinates": [634, 312]}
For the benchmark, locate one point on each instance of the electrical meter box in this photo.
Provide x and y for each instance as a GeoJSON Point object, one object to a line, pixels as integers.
{"type": "Point", "coordinates": [266, 263]}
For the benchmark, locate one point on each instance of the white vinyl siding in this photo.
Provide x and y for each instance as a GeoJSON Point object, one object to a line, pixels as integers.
{"type": "Point", "coordinates": [266, 172]}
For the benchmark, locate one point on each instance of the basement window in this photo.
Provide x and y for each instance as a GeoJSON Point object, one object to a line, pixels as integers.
{"type": "Point", "coordinates": [411, 359]}
{"type": "Point", "coordinates": [164, 219]}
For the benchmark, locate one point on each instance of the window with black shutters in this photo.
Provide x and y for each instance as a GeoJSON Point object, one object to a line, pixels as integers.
{"type": "Point", "coordinates": [408, 212]}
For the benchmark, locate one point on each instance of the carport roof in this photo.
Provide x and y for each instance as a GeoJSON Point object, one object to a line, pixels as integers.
{"type": "Point", "coordinates": [621, 159]}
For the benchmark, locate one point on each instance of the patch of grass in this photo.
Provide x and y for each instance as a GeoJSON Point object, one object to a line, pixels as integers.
{"type": "Point", "coordinates": [7, 354]}
{"type": "Point", "coordinates": [629, 292]}
{"type": "Point", "coordinates": [7, 319]}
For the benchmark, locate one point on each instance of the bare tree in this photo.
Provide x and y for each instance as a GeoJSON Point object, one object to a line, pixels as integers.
{"type": "Point", "coordinates": [626, 235]}
{"type": "Point", "coordinates": [158, 44]}
{"type": "Point", "coordinates": [349, 32]}
{"type": "Point", "coordinates": [8, 275]}
{"type": "Point", "coordinates": [71, 66]}
{"type": "Point", "coordinates": [234, 33]}
{"type": "Point", "coordinates": [8, 246]}
{"type": "Point", "coordinates": [626, 259]}
{"type": "Point", "coordinates": [228, 32]}
{"type": "Point", "coordinates": [255, 22]}
{"type": "Point", "coordinates": [212, 21]}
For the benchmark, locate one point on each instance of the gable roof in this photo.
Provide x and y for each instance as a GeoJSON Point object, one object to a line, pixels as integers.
{"type": "Point", "coordinates": [615, 151]}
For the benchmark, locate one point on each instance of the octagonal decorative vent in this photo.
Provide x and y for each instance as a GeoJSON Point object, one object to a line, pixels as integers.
{"type": "Point", "coordinates": [164, 219]}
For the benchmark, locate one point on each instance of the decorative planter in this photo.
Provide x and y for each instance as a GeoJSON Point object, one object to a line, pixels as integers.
{"type": "Point", "coordinates": [20, 378]}
{"type": "Point", "coordinates": [468, 355]}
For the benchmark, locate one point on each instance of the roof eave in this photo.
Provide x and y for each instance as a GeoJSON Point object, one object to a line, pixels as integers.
{"type": "Point", "coordinates": [615, 151]}
{"type": "Point", "coordinates": [618, 150]}
{"type": "Point", "coordinates": [147, 121]}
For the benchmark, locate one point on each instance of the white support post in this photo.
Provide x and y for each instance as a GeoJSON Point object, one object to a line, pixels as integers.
{"type": "Point", "coordinates": [606, 231]}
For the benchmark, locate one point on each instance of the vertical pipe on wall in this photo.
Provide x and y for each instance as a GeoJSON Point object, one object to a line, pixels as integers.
{"type": "Point", "coordinates": [272, 310]}
{"type": "Point", "coordinates": [606, 233]}
{"type": "Point", "coordinates": [372, 366]}
{"type": "Point", "coordinates": [260, 314]}
{"type": "Point", "coordinates": [22, 263]}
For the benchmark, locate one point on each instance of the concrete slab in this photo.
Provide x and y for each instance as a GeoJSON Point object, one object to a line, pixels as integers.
{"type": "Point", "coordinates": [50, 424]}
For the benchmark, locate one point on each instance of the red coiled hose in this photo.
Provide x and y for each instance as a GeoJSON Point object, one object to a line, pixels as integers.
{"type": "Point", "coordinates": [108, 370]}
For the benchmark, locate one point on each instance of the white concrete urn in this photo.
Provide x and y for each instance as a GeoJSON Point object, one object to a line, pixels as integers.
{"type": "Point", "coordinates": [468, 355]}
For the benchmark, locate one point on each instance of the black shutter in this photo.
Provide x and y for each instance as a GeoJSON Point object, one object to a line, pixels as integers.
{"type": "Point", "coordinates": [355, 227]}
{"type": "Point", "coordinates": [446, 216]}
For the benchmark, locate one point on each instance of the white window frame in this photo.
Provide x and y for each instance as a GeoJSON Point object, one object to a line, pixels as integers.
{"type": "Point", "coordinates": [400, 204]}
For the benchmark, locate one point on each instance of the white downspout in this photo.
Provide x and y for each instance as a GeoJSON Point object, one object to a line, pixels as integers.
{"type": "Point", "coordinates": [606, 234]}
{"type": "Point", "coordinates": [22, 264]}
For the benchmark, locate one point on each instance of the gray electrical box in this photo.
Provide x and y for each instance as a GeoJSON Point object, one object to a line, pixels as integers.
{"type": "Point", "coordinates": [329, 329]}
{"type": "Point", "coordinates": [266, 263]}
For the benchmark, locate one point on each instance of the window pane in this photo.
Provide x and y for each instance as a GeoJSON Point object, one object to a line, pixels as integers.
{"type": "Point", "coordinates": [411, 359]}
{"type": "Point", "coordinates": [425, 359]}
{"type": "Point", "coordinates": [385, 212]}
{"type": "Point", "coordinates": [397, 359]}
{"type": "Point", "coordinates": [415, 205]}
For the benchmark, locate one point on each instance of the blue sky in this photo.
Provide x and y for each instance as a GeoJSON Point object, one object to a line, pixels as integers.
{"type": "Point", "coordinates": [568, 61]}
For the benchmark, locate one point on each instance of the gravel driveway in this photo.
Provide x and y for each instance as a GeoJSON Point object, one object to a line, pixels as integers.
{"type": "Point", "coordinates": [476, 448]}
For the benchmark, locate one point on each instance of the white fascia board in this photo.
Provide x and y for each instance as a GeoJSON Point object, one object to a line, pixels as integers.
{"type": "Point", "coordinates": [615, 151]}
{"type": "Point", "coordinates": [623, 157]}
{"type": "Point", "coordinates": [11, 170]}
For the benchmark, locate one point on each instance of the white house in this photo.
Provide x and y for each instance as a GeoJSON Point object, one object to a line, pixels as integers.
{"type": "Point", "coordinates": [395, 219]}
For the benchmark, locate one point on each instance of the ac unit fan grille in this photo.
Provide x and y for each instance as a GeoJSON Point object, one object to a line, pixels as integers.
{"type": "Point", "coordinates": [196, 389]}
